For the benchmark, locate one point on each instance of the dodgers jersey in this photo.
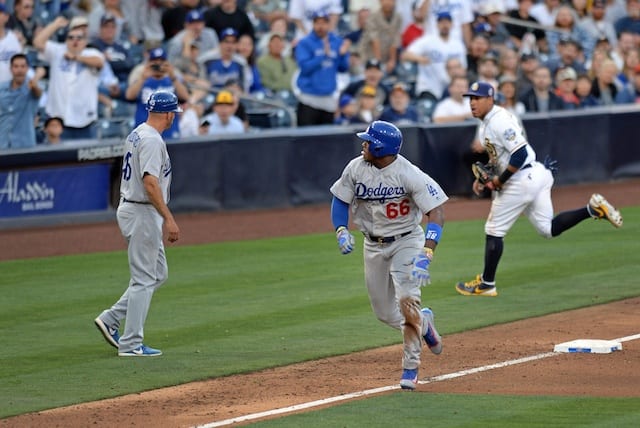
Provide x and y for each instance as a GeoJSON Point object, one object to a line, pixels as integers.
{"type": "Point", "coordinates": [145, 152]}
{"type": "Point", "coordinates": [388, 201]}
{"type": "Point", "coordinates": [501, 135]}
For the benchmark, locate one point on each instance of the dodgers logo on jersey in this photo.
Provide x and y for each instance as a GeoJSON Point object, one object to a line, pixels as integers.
{"type": "Point", "coordinates": [381, 192]}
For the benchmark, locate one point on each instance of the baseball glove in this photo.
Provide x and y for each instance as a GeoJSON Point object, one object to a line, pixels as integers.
{"type": "Point", "coordinates": [484, 173]}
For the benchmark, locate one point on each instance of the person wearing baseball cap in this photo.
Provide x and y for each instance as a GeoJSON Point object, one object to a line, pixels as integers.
{"type": "Point", "coordinates": [430, 53]}
{"type": "Point", "coordinates": [520, 185]}
{"type": "Point", "coordinates": [223, 120]}
{"type": "Point", "coordinates": [225, 63]}
{"type": "Point", "coordinates": [194, 32]}
{"type": "Point", "coordinates": [320, 56]}
{"type": "Point", "coordinates": [566, 79]}
{"type": "Point", "coordinates": [400, 111]}
{"type": "Point", "coordinates": [155, 74]}
{"type": "Point", "coordinates": [373, 76]}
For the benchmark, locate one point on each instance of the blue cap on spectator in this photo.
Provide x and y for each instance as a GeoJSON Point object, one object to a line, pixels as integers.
{"type": "Point", "coordinates": [320, 14]}
{"type": "Point", "coordinates": [345, 99]}
{"type": "Point", "coordinates": [480, 89]}
{"type": "Point", "coordinates": [444, 15]}
{"type": "Point", "coordinates": [228, 32]}
{"type": "Point", "coordinates": [194, 16]}
{"type": "Point", "coordinates": [157, 53]}
{"type": "Point", "coordinates": [3, 8]}
{"type": "Point", "coordinates": [106, 18]}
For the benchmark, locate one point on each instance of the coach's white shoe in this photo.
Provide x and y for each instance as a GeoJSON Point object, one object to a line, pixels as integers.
{"type": "Point", "coordinates": [601, 208]}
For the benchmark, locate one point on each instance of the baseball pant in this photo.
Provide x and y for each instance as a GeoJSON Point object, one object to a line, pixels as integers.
{"type": "Point", "coordinates": [141, 225]}
{"type": "Point", "coordinates": [387, 269]}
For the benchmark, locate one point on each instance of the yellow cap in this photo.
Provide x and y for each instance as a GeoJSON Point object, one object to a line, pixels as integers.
{"type": "Point", "coordinates": [368, 91]}
{"type": "Point", "coordinates": [224, 97]}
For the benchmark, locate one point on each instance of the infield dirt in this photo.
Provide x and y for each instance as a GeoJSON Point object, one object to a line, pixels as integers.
{"type": "Point", "coordinates": [616, 374]}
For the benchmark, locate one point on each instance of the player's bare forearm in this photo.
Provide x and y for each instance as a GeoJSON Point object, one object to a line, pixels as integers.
{"type": "Point", "coordinates": [436, 215]}
{"type": "Point", "coordinates": [152, 187]}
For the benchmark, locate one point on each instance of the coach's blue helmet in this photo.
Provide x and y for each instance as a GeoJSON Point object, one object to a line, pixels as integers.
{"type": "Point", "coordinates": [163, 102]}
{"type": "Point", "coordinates": [384, 138]}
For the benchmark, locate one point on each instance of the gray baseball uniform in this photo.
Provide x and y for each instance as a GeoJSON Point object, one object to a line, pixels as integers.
{"type": "Point", "coordinates": [141, 226]}
{"type": "Point", "coordinates": [388, 206]}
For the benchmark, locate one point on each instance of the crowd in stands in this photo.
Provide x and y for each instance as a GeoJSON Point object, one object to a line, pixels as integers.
{"type": "Point", "coordinates": [83, 69]}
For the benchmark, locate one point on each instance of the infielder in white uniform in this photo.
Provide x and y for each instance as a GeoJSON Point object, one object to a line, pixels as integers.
{"type": "Point", "coordinates": [388, 197]}
{"type": "Point", "coordinates": [144, 187]}
{"type": "Point", "coordinates": [521, 185]}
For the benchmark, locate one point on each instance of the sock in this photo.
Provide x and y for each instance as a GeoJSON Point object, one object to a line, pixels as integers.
{"type": "Point", "coordinates": [492, 253]}
{"type": "Point", "coordinates": [567, 219]}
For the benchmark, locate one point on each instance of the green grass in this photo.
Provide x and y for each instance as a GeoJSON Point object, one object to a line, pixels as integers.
{"type": "Point", "coordinates": [451, 410]}
{"type": "Point", "coordinates": [241, 306]}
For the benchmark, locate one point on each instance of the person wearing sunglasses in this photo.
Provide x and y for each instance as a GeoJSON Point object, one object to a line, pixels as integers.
{"type": "Point", "coordinates": [74, 77]}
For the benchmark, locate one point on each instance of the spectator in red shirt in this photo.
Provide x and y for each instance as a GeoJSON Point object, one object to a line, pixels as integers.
{"type": "Point", "coordinates": [416, 28]}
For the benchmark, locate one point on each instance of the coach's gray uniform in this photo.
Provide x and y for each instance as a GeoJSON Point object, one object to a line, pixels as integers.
{"type": "Point", "coordinates": [141, 225]}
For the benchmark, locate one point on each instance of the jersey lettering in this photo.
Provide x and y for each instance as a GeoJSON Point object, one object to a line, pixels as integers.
{"type": "Point", "coordinates": [126, 167]}
{"type": "Point", "coordinates": [394, 209]}
{"type": "Point", "coordinates": [380, 193]}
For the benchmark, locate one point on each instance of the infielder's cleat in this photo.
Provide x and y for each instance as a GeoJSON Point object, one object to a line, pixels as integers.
{"type": "Point", "coordinates": [601, 208]}
{"type": "Point", "coordinates": [431, 336]}
{"type": "Point", "coordinates": [409, 379]}
{"type": "Point", "coordinates": [476, 287]}
{"type": "Point", "coordinates": [110, 334]}
{"type": "Point", "coordinates": [141, 351]}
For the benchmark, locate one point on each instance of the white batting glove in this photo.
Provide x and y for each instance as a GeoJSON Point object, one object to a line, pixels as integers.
{"type": "Point", "coordinates": [346, 241]}
{"type": "Point", "coordinates": [420, 269]}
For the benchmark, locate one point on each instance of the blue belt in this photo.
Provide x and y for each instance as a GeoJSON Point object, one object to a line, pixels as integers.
{"type": "Point", "coordinates": [385, 239]}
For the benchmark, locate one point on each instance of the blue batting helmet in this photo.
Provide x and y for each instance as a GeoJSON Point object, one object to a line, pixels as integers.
{"type": "Point", "coordinates": [163, 102]}
{"type": "Point", "coordinates": [384, 138]}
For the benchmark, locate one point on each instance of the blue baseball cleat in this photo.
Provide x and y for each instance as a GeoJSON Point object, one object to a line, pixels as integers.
{"type": "Point", "coordinates": [431, 336]}
{"type": "Point", "coordinates": [409, 379]}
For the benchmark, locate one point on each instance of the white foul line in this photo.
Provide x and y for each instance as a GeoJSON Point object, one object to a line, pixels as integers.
{"type": "Point", "coordinates": [352, 395]}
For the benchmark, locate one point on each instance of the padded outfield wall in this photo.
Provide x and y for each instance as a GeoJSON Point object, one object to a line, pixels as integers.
{"type": "Point", "coordinates": [290, 167]}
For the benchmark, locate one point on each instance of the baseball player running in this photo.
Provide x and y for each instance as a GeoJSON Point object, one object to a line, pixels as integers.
{"type": "Point", "coordinates": [388, 197]}
{"type": "Point", "coordinates": [519, 185]}
{"type": "Point", "coordinates": [142, 212]}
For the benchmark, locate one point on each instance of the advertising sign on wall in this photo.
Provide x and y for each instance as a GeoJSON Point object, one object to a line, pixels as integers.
{"type": "Point", "coordinates": [59, 190]}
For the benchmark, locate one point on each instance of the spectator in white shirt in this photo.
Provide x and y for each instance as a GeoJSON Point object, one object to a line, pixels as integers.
{"type": "Point", "coordinates": [454, 108]}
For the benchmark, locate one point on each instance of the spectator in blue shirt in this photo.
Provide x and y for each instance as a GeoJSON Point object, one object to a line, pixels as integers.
{"type": "Point", "coordinates": [583, 91]}
{"type": "Point", "coordinates": [400, 111]}
{"type": "Point", "coordinates": [631, 22]}
{"type": "Point", "coordinates": [630, 94]}
{"type": "Point", "coordinates": [225, 63]}
{"type": "Point", "coordinates": [18, 105]}
{"type": "Point", "coordinates": [156, 74]}
{"type": "Point", "coordinates": [320, 56]}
